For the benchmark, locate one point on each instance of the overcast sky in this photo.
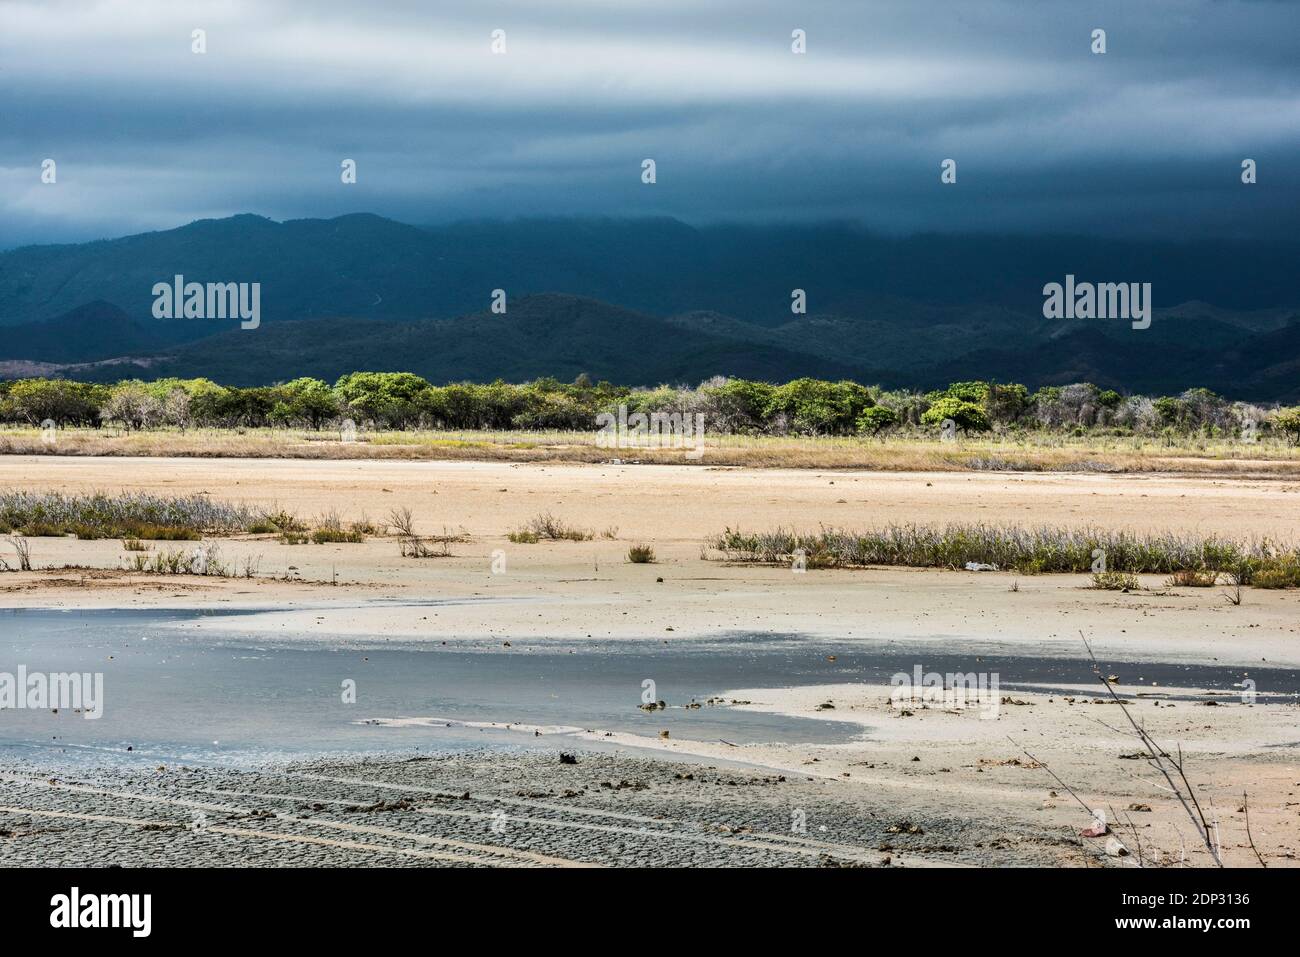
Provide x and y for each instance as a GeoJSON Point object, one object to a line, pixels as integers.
{"type": "Point", "coordinates": [1146, 139]}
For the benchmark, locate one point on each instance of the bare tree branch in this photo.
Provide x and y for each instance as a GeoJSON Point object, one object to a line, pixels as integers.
{"type": "Point", "coordinates": [1245, 807]}
{"type": "Point", "coordinates": [1157, 758]}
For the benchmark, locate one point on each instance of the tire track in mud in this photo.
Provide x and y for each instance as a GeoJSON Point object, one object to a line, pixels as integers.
{"type": "Point", "coordinates": [651, 829]}
{"type": "Point", "coordinates": [766, 841]}
{"type": "Point", "coordinates": [486, 809]}
{"type": "Point", "coordinates": [790, 844]}
{"type": "Point", "coordinates": [494, 851]}
{"type": "Point", "coordinates": [242, 832]}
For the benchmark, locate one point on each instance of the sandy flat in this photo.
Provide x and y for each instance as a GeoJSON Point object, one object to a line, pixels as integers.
{"type": "Point", "coordinates": [572, 590]}
{"type": "Point", "coordinates": [552, 592]}
{"type": "Point", "coordinates": [681, 504]}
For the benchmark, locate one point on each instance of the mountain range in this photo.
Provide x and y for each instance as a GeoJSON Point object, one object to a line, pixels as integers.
{"type": "Point", "coordinates": [650, 301]}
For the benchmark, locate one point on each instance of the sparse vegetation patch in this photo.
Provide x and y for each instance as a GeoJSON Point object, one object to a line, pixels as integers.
{"type": "Point", "coordinates": [547, 526]}
{"type": "Point", "coordinates": [124, 515]}
{"type": "Point", "coordinates": [641, 555]}
{"type": "Point", "coordinates": [1037, 550]}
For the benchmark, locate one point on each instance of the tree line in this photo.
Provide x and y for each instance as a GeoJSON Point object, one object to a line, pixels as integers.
{"type": "Point", "coordinates": [402, 400]}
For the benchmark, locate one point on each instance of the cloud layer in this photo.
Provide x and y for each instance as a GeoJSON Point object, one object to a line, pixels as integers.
{"type": "Point", "coordinates": [1144, 140]}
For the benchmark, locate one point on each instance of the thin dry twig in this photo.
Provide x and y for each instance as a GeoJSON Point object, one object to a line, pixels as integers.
{"type": "Point", "coordinates": [24, 550]}
{"type": "Point", "coordinates": [1055, 777]}
{"type": "Point", "coordinates": [1137, 840]}
{"type": "Point", "coordinates": [1157, 757]}
{"type": "Point", "coordinates": [1245, 807]}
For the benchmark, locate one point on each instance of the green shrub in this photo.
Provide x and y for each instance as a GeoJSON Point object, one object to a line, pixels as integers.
{"type": "Point", "coordinates": [1282, 572]}
{"type": "Point", "coordinates": [1030, 565]}
{"type": "Point", "coordinates": [398, 400]}
{"type": "Point", "coordinates": [967, 416]}
{"type": "Point", "coordinates": [1116, 581]}
{"type": "Point", "coordinates": [1287, 421]}
{"type": "Point", "coordinates": [279, 521]}
{"type": "Point", "coordinates": [43, 530]}
{"type": "Point", "coordinates": [818, 407]}
{"type": "Point", "coordinates": [366, 527]}
{"type": "Point", "coordinates": [876, 419]}
{"type": "Point", "coordinates": [976, 393]}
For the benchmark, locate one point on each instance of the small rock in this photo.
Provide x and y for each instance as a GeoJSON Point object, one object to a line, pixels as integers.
{"type": "Point", "coordinates": [1115, 849]}
{"type": "Point", "coordinates": [904, 827]}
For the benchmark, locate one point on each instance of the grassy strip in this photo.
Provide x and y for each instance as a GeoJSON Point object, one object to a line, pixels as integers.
{"type": "Point", "coordinates": [205, 560]}
{"type": "Point", "coordinates": [140, 517]}
{"type": "Point", "coordinates": [1025, 550]}
{"type": "Point", "coordinates": [1031, 453]}
{"type": "Point", "coordinates": [549, 528]}
{"type": "Point", "coordinates": [126, 515]}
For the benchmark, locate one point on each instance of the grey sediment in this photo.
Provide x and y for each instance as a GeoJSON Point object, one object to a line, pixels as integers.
{"type": "Point", "coordinates": [484, 808]}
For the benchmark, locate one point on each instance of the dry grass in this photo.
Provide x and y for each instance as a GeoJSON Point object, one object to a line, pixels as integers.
{"type": "Point", "coordinates": [331, 530]}
{"type": "Point", "coordinates": [1034, 452]}
{"type": "Point", "coordinates": [641, 555]}
{"type": "Point", "coordinates": [23, 551]}
{"type": "Point", "coordinates": [1116, 581]}
{"type": "Point", "coordinates": [121, 515]}
{"type": "Point", "coordinates": [1193, 578]}
{"type": "Point", "coordinates": [430, 546]}
{"type": "Point", "coordinates": [547, 526]}
{"type": "Point", "coordinates": [413, 545]}
{"type": "Point", "coordinates": [1037, 550]}
{"type": "Point", "coordinates": [205, 560]}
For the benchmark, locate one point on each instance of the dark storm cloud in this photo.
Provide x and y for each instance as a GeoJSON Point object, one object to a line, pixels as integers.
{"type": "Point", "coordinates": [1146, 139]}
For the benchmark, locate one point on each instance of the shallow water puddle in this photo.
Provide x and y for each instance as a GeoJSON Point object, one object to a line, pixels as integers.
{"type": "Point", "coordinates": [215, 695]}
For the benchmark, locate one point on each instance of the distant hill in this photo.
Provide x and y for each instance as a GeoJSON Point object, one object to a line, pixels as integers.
{"type": "Point", "coordinates": [644, 301]}
{"type": "Point", "coordinates": [97, 330]}
{"type": "Point", "coordinates": [539, 335]}
{"type": "Point", "coordinates": [366, 267]}
{"type": "Point", "coordinates": [1176, 353]}
{"type": "Point", "coordinates": [563, 336]}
